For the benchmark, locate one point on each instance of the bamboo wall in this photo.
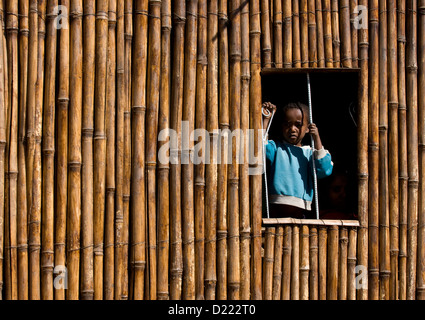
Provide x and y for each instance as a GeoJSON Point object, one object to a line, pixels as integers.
{"type": "Point", "coordinates": [85, 92]}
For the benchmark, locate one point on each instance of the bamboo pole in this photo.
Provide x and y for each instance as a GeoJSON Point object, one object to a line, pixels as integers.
{"type": "Point", "coordinates": [373, 137]}
{"type": "Point", "coordinates": [255, 124]}
{"type": "Point", "coordinates": [320, 35]}
{"type": "Point", "coordinates": [296, 46]}
{"type": "Point", "coordinates": [12, 52]}
{"type": "Point", "coordinates": [153, 85]}
{"type": "Point", "coordinates": [74, 147]}
{"type": "Point", "coordinates": [268, 262]}
{"type": "Point", "coordinates": [327, 33]}
{"type": "Point", "coordinates": [295, 263]}
{"type": "Point", "coordinates": [312, 34]}
{"type": "Point", "coordinates": [128, 34]}
{"type": "Point", "coordinates": [354, 34]}
{"type": "Point", "coordinates": [402, 143]}
{"type": "Point", "coordinates": [164, 168]}
{"type": "Point", "coordinates": [244, 166]}
{"type": "Point", "coordinates": [304, 34]}
{"type": "Point", "coordinates": [420, 289]}
{"type": "Point", "coordinates": [384, 248]}
{"type": "Point", "coordinates": [47, 240]}
{"type": "Point", "coordinates": [222, 173]}
{"type": "Point", "coordinates": [109, 265]}
{"type": "Point", "coordinates": [99, 146]}
{"type": "Point", "coordinates": [393, 156]}
{"type": "Point", "coordinates": [266, 48]}
{"type": "Point", "coordinates": [3, 161]}
{"type": "Point", "coordinates": [62, 151]}
{"type": "Point", "coordinates": [342, 263]}
{"type": "Point", "coordinates": [200, 123]}
{"type": "Point", "coordinates": [119, 152]}
{"type": "Point", "coordinates": [304, 263]}
{"type": "Point", "coordinates": [336, 43]}
{"type": "Point", "coordinates": [277, 266]}
{"type": "Point", "coordinates": [277, 33]}
{"type": "Point", "coordinates": [286, 263]}
{"type": "Point", "coordinates": [176, 255]}
{"type": "Point", "coordinates": [22, 184]}
{"type": "Point", "coordinates": [138, 83]}
{"type": "Point", "coordinates": [332, 269]}
{"type": "Point", "coordinates": [346, 49]}
{"type": "Point", "coordinates": [314, 264]}
{"type": "Point", "coordinates": [351, 261]}
{"type": "Point", "coordinates": [211, 167]}
{"type": "Point", "coordinates": [236, 140]}
{"type": "Point", "coordinates": [287, 34]}
{"type": "Point", "coordinates": [412, 147]}
{"type": "Point", "coordinates": [87, 201]}
{"type": "Point", "coordinates": [362, 159]}
{"type": "Point", "coordinates": [323, 237]}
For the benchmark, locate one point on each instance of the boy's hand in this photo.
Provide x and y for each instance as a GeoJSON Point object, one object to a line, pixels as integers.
{"type": "Point", "coordinates": [314, 131]}
{"type": "Point", "coordinates": [268, 109]}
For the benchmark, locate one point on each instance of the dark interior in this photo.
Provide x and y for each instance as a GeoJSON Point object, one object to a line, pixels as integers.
{"type": "Point", "coordinates": [334, 95]}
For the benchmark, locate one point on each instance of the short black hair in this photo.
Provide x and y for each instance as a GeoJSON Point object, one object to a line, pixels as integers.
{"type": "Point", "coordinates": [295, 105]}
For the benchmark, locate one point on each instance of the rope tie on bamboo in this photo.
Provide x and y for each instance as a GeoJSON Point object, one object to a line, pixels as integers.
{"type": "Point", "coordinates": [75, 14]}
{"type": "Point", "coordinates": [214, 239]}
{"type": "Point", "coordinates": [178, 19]}
{"type": "Point", "coordinates": [101, 15]}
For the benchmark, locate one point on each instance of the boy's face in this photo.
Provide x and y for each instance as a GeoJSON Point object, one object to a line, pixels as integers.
{"type": "Point", "coordinates": [294, 127]}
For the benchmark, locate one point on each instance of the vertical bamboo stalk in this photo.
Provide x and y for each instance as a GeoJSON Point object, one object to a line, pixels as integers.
{"type": "Point", "coordinates": [296, 46]}
{"type": "Point", "coordinates": [323, 245]}
{"type": "Point", "coordinates": [244, 166]}
{"type": "Point", "coordinates": [342, 264]}
{"type": "Point", "coordinates": [268, 262]}
{"type": "Point", "coordinates": [286, 263]}
{"type": "Point", "coordinates": [402, 143]}
{"type": "Point", "coordinates": [277, 266]}
{"type": "Point", "coordinates": [153, 85]}
{"type": "Point", "coordinates": [320, 35]}
{"type": "Point", "coordinates": [336, 43]}
{"type": "Point", "coordinates": [74, 142]}
{"type": "Point", "coordinates": [287, 34]}
{"type": "Point", "coordinates": [138, 83]}
{"type": "Point", "coordinates": [346, 50]}
{"type": "Point", "coordinates": [412, 147]}
{"type": "Point", "coordinates": [304, 34]}
{"type": "Point", "coordinates": [176, 255]}
{"type": "Point", "coordinates": [384, 249]}
{"type": "Point", "coordinates": [99, 145]}
{"type": "Point", "coordinates": [362, 146]}
{"type": "Point", "coordinates": [304, 263]}
{"type": "Point", "coordinates": [224, 156]}
{"type": "Point", "coordinates": [200, 123]}
{"type": "Point", "coordinates": [373, 138]}
{"type": "Point", "coordinates": [62, 151]}
{"type": "Point", "coordinates": [22, 184]}
{"type": "Point", "coordinates": [164, 168]}
{"type": "Point", "coordinates": [352, 259]}
{"type": "Point", "coordinates": [255, 124]}
{"type": "Point", "coordinates": [420, 290]}
{"type": "Point", "coordinates": [265, 34]}
{"type": "Point", "coordinates": [314, 264]}
{"type": "Point", "coordinates": [119, 152]}
{"type": "Point", "coordinates": [393, 156]}
{"type": "Point", "coordinates": [327, 33]}
{"type": "Point", "coordinates": [295, 263]}
{"type": "Point", "coordinates": [128, 34]}
{"type": "Point", "coordinates": [12, 53]}
{"type": "Point", "coordinates": [87, 290]}
{"type": "Point", "coordinates": [354, 34]}
{"type": "Point", "coordinates": [277, 34]}
{"type": "Point", "coordinates": [3, 123]}
{"type": "Point", "coordinates": [211, 167]}
{"type": "Point", "coordinates": [332, 270]}
{"type": "Point", "coordinates": [236, 140]}
{"type": "Point", "coordinates": [109, 266]}
{"type": "Point", "coordinates": [312, 34]}
{"type": "Point", "coordinates": [47, 240]}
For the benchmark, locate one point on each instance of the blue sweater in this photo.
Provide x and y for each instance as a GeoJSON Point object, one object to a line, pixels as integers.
{"type": "Point", "coordinates": [290, 176]}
